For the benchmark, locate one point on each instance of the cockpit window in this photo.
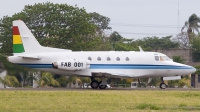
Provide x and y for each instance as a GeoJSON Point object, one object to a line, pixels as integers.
{"type": "Point", "coordinates": [162, 58]}
{"type": "Point", "coordinates": [166, 58]}
{"type": "Point", "coordinates": [157, 58]}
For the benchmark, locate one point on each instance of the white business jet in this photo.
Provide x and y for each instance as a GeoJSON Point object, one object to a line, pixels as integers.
{"type": "Point", "coordinates": [94, 64]}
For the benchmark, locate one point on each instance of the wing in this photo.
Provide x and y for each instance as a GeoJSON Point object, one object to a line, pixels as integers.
{"type": "Point", "coordinates": [112, 75]}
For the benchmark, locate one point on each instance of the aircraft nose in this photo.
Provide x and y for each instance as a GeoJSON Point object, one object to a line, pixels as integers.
{"type": "Point", "coordinates": [193, 69]}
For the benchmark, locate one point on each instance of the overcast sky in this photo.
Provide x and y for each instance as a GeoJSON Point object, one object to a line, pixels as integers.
{"type": "Point", "coordinates": [131, 18]}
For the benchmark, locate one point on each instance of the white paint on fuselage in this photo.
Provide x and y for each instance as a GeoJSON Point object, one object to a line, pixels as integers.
{"type": "Point", "coordinates": [135, 58]}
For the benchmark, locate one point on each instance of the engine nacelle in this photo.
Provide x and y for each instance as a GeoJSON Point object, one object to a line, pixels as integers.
{"type": "Point", "coordinates": [72, 64]}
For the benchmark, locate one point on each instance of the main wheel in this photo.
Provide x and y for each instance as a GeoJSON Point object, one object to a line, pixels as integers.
{"type": "Point", "coordinates": [94, 84]}
{"type": "Point", "coordinates": [163, 86]}
{"type": "Point", "coordinates": [102, 86]}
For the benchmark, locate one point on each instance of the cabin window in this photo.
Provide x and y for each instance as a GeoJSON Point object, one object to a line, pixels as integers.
{"type": "Point", "coordinates": [127, 59]}
{"type": "Point", "coordinates": [99, 59]}
{"type": "Point", "coordinates": [157, 58]}
{"type": "Point", "coordinates": [118, 59]}
{"type": "Point", "coordinates": [108, 59]}
{"type": "Point", "coordinates": [89, 58]}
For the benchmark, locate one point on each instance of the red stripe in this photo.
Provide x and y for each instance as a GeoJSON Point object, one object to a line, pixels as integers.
{"type": "Point", "coordinates": [15, 30]}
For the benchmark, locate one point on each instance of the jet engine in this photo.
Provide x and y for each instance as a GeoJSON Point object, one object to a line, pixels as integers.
{"type": "Point", "coordinates": [72, 64]}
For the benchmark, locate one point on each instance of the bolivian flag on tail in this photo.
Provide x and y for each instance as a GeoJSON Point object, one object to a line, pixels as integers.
{"type": "Point", "coordinates": [17, 41]}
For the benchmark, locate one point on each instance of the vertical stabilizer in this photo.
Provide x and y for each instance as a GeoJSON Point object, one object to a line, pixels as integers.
{"type": "Point", "coordinates": [17, 41]}
{"type": "Point", "coordinates": [23, 39]}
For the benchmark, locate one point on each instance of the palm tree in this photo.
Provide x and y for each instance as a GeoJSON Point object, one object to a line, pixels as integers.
{"type": "Point", "coordinates": [26, 78]}
{"type": "Point", "coordinates": [192, 25]}
{"type": "Point", "coordinates": [74, 80]}
{"type": "Point", "coordinates": [10, 81]}
{"type": "Point", "coordinates": [47, 80]}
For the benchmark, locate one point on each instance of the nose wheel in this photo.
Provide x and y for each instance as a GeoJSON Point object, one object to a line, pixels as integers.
{"type": "Point", "coordinates": [162, 84]}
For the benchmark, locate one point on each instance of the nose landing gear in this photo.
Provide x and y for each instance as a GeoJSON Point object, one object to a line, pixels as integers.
{"type": "Point", "coordinates": [162, 84]}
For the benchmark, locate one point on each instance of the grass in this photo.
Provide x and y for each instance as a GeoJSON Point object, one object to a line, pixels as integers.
{"type": "Point", "coordinates": [99, 101]}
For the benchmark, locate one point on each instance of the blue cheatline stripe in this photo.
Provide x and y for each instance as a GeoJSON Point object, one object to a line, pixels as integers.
{"type": "Point", "coordinates": [37, 65]}
{"type": "Point", "coordinates": [115, 66]}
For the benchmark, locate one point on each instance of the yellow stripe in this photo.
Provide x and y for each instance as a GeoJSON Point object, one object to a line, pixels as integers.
{"type": "Point", "coordinates": [17, 39]}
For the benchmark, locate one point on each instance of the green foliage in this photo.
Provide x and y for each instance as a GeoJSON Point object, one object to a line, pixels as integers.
{"type": "Point", "coordinates": [198, 69]}
{"type": "Point", "coordinates": [122, 47]}
{"type": "Point", "coordinates": [193, 22]}
{"type": "Point", "coordinates": [156, 43]}
{"type": "Point", "coordinates": [115, 36]}
{"type": "Point", "coordinates": [47, 80]}
{"type": "Point", "coordinates": [192, 25]}
{"type": "Point", "coordinates": [178, 59]}
{"type": "Point", "coordinates": [185, 81]}
{"type": "Point", "coordinates": [85, 79]}
{"type": "Point", "coordinates": [155, 82]}
{"type": "Point", "coordinates": [12, 69]}
{"type": "Point", "coordinates": [119, 43]}
{"type": "Point", "coordinates": [195, 46]}
{"type": "Point", "coordinates": [55, 25]}
{"type": "Point", "coordinates": [26, 78]}
{"type": "Point", "coordinates": [63, 81]}
{"type": "Point", "coordinates": [67, 25]}
{"type": "Point", "coordinates": [10, 81]}
{"type": "Point", "coordinates": [100, 21]}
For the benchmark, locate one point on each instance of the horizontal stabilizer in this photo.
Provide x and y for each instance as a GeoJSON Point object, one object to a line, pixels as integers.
{"type": "Point", "coordinates": [31, 57]}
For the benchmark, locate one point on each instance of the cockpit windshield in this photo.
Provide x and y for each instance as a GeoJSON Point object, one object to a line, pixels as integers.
{"type": "Point", "coordinates": [162, 58]}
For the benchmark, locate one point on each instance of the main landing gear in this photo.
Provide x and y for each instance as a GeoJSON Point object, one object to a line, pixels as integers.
{"type": "Point", "coordinates": [162, 84]}
{"type": "Point", "coordinates": [101, 85]}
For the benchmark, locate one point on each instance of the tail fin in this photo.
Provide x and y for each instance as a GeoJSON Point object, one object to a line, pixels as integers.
{"type": "Point", "coordinates": [23, 39]}
{"type": "Point", "coordinates": [25, 42]}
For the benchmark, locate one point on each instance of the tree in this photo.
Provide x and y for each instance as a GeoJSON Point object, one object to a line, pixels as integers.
{"type": "Point", "coordinates": [102, 22]}
{"type": "Point", "coordinates": [85, 80]}
{"type": "Point", "coordinates": [177, 59]}
{"type": "Point", "coordinates": [156, 43]}
{"type": "Point", "coordinates": [64, 24]}
{"type": "Point", "coordinates": [55, 25]}
{"type": "Point", "coordinates": [195, 47]}
{"type": "Point", "coordinates": [47, 80]}
{"type": "Point", "coordinates": [191, 25]}
{"type": "Point", "coordinates": [115, 36]}
{"type": "Point", "coordinates": [183, 40]}
{"type": "Point", "coordinates": [11, 68]}
{"type": "Point", "coordinates": [10, 81]}
{"type": "Point", "coordinates": [26, 78]}
{"type": "Point", "coordinates": [74, 80]}
{"type": "Point", "coordinates": [63, 81]}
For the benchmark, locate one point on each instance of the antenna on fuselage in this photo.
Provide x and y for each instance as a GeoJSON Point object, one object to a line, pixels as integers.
{"type": "Point", "coordinates": [141, 50]}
